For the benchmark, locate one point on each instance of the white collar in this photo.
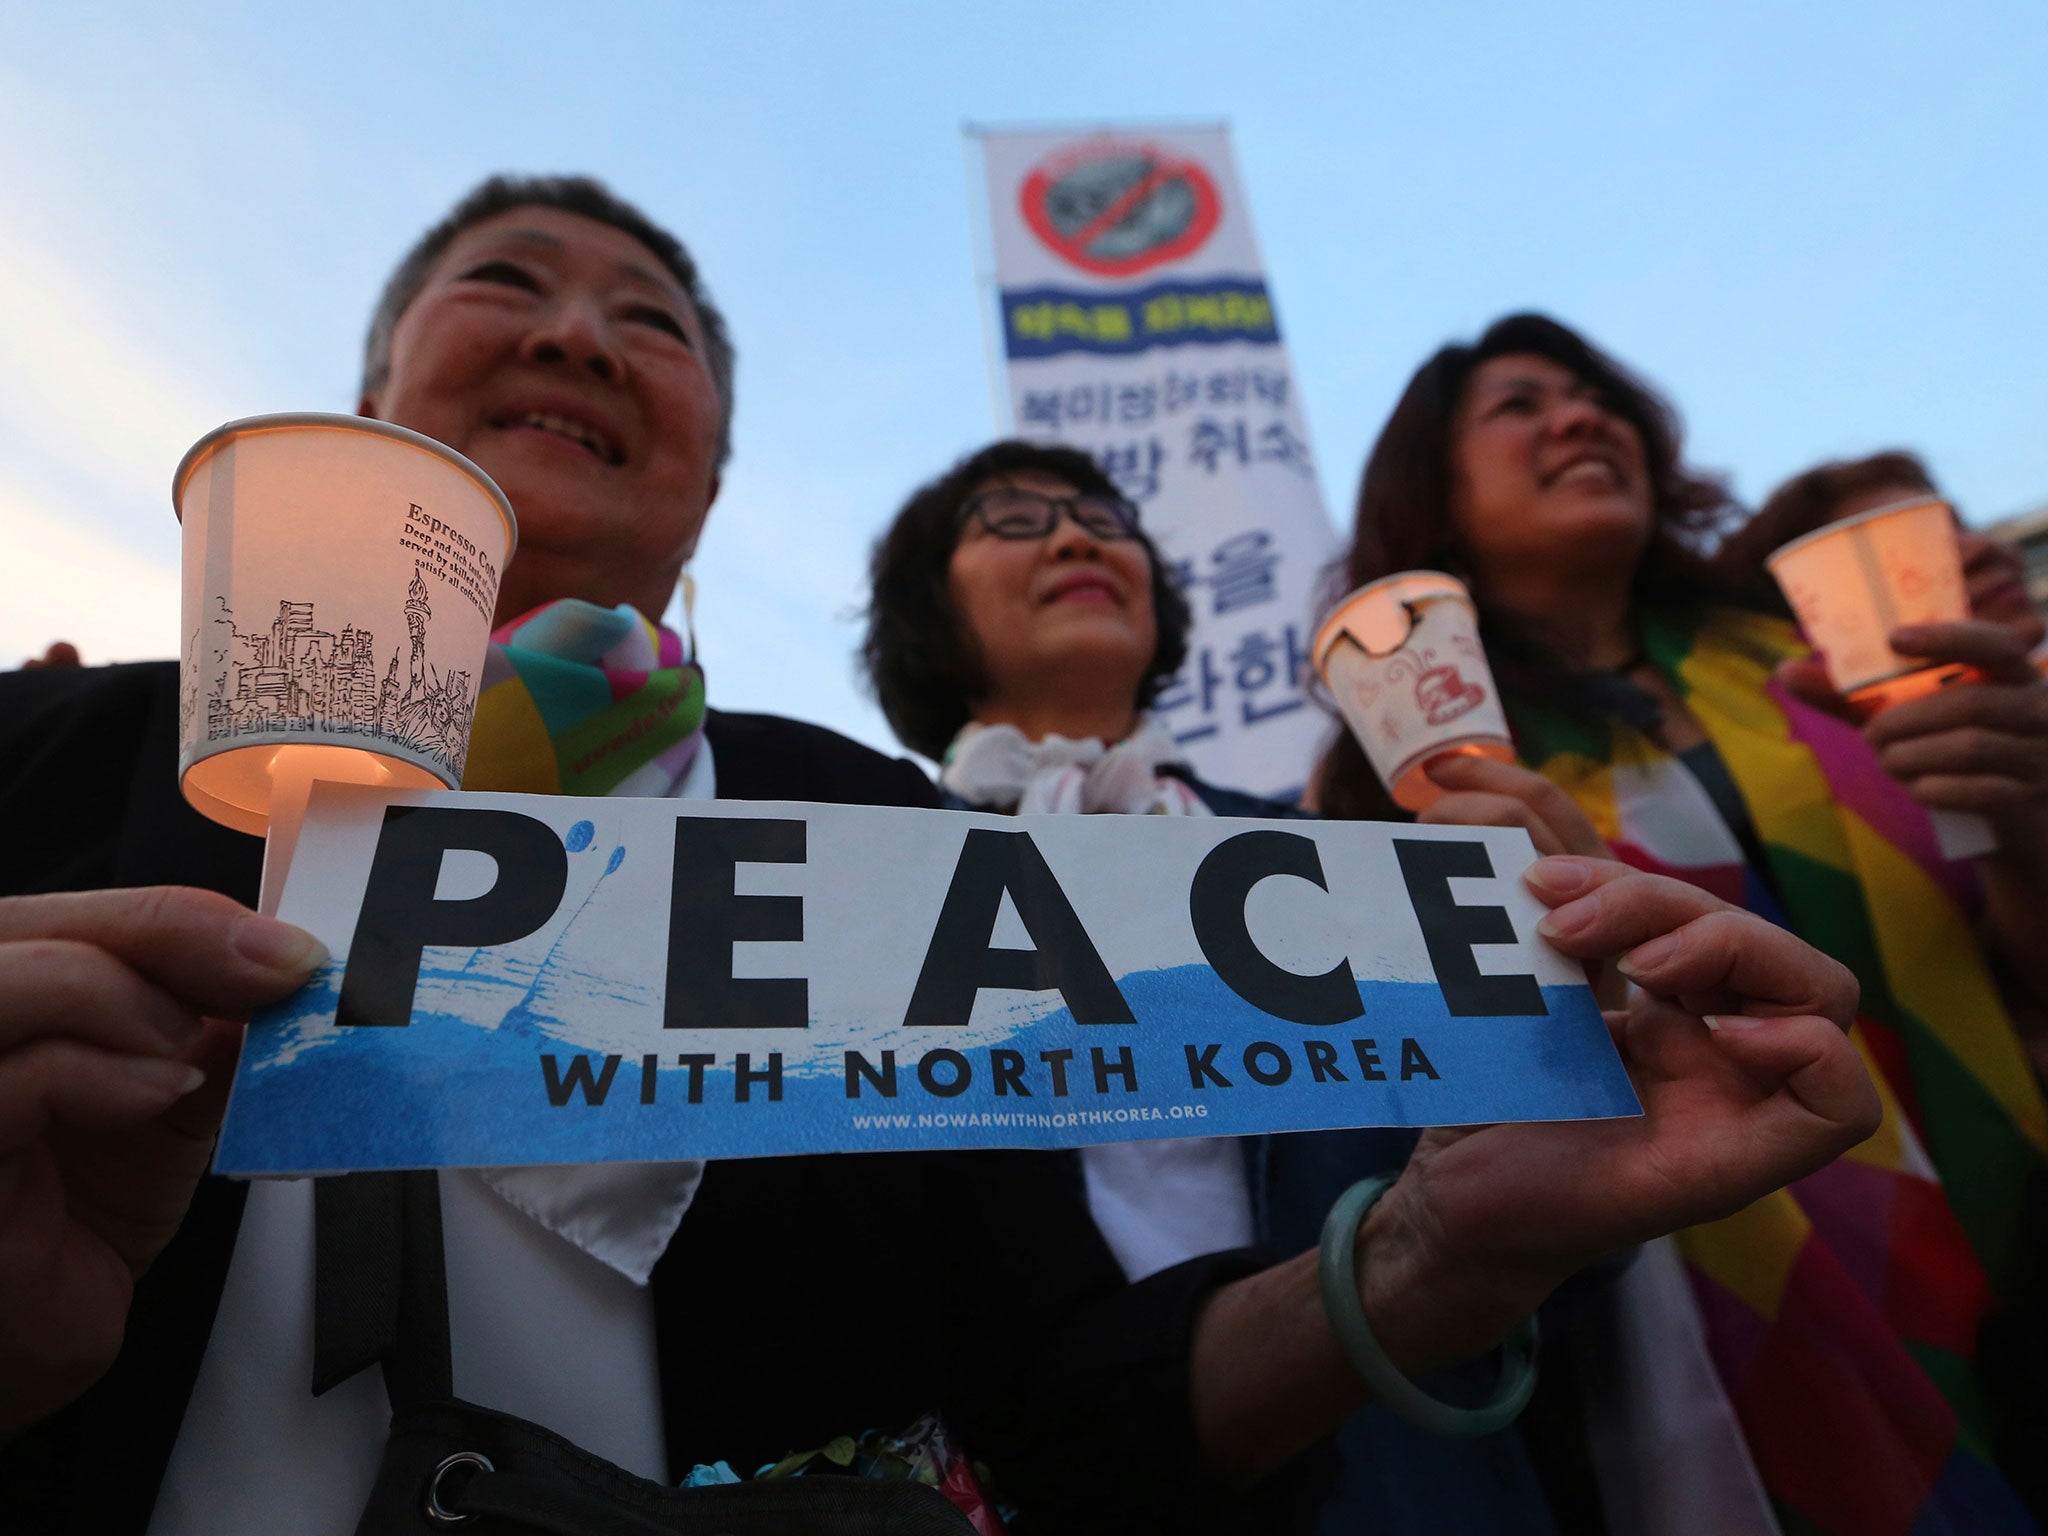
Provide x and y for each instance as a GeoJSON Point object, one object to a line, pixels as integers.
{"type": "Point", "coordinates": [621, 1214]}
{"type": "Point", "coordinates": [1000, 767]}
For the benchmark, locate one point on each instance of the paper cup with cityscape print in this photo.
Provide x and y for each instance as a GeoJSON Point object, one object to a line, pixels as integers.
{"type": "Point", "coordinates": [340, 575]}
{"type": "Point", "coordinates": [1853, 582]}
{"type": "Point", "coordinates": [1401, 657]}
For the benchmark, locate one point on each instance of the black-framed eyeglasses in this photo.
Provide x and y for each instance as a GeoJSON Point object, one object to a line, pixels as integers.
{"type": "Point", "coordinates": [1011, 513]}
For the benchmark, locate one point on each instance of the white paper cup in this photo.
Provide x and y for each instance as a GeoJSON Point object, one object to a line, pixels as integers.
{"type": "Point", "coordinates": [340, 575]}
{"type": "Point", "coordinates": [1853, 582]}
{"type": "Point", "coordinates": [1402, 659]}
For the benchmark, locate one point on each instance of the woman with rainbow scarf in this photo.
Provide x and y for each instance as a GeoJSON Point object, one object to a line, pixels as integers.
{"type": "Point", "coordinates": [1853, 1354]}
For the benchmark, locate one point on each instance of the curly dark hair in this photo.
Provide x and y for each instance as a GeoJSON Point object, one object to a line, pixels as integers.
{"type": "Point", "coordinates": [1404, 499]}
{"type": "Point", "coordinates": [925, 670]}
{"type": "Point", "coordinates": [1404, 519]}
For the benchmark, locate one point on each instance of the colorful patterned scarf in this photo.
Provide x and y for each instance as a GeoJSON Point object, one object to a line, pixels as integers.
{"type": "Point", "coordinates": [1843, 1313]}
{"type": "Point", "coordinates": [582, 700]}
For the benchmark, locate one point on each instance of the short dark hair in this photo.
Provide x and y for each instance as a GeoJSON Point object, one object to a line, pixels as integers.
{"type": "Point", "coordinates": [1808, 501]}
{"type": "Point", "coordinates": [925, 670]}
{"type": "Point", "coordinates": [1404, 520]}
{"type": "Point", "coordinates": [581, 195]}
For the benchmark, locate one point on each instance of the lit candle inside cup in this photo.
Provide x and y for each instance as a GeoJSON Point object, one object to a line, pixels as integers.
{"type": "Point", "coordinates": [1402, 659]}
{"type": "Point", "coordinates": [340, 576]}
{"type": "Point", "coordinates": [1853, 582]}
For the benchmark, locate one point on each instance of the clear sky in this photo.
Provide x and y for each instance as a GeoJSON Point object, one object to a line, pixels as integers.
{"type": "Point", "coordinates": [1821, 227]}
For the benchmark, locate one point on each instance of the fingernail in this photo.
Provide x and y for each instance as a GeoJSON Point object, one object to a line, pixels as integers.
{"type": "Point", "coordinates": [1566, 920]}
{"type": "Point", "coordinates": [179, 1028]}
{"type": "Point", "coordinates": [1729, 1021]}
{"type": "Point", "coordinates": [1558, 875]}
{"type": "Point", "coordinates": [1647, 957]}
{"type": "Point", "coordinates": [275, 946]}
{"type": "Point", "coordinates": [172, 1079]}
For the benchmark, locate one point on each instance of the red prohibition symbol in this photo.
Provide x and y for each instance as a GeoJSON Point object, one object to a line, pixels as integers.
{"type": "Point", "coordinates": [1117, 208]}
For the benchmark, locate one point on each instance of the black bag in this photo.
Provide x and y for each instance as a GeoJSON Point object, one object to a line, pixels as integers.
{"type": "Point", "coordinates": [381, 1296]}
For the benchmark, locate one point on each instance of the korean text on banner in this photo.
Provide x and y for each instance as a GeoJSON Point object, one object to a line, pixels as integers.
{"type": "Point", "coordinates": [527, 979]}
{"type": "Point", "coordinates": [1136, 324]}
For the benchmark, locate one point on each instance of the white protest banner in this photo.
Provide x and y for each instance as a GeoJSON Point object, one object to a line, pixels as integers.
{"type": "Point", "coordinates": [538, 979]}
{"type": "Point", "coordinates": [1136, 324]}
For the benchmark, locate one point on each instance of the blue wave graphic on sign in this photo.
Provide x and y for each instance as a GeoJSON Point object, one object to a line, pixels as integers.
{"type": "Point", "coordinates": [1046, 322]}
{"type": "Point", "coordinates": [446, 1092]}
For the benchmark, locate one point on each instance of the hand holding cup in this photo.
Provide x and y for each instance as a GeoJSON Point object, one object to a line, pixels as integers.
{"type": "Point", "coordinates": [1869, 591]}
{"type": "Point", "coordinates": [1401, 657]}
{"type": "Point", "coordinates": [1484, 792]}
{"type": "Point", "coordinates": [1981, 747]}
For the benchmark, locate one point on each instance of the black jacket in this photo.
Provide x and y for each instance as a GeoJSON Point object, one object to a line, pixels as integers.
{"type": "Point", "coordinates": [847, 1292]}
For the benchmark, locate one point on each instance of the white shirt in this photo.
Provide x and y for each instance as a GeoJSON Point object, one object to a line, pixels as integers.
{"type": "Point", "coordinates": [1156, 1203]}
{"type": "Point", "coordinates": [1159, 1203]}
{"type": "Point", "coordinates": [549, 1318]}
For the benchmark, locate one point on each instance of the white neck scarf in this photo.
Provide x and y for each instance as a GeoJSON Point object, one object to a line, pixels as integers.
{"type": "Point", "coordinates": [621, 1214]}
{"type": "Point", "coordinates": [999, 767]}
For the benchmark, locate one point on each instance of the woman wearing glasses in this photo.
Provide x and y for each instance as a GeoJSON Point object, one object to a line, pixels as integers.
{"type": "Point", "coordinates": [1022, 623]}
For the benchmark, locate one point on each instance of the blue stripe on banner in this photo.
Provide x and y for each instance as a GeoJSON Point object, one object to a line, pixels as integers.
{"type": "Point", "coordinates": [445, 1092]}
{"type": "Point", "coordinates": [1045, 322]}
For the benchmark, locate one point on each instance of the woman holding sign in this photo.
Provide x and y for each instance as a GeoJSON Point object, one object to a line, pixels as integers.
{"type": "Point", "coordinates": [163, 1334]}
{"type": "Point", "coordinates": [1021, 623]}
{"type": "Point", "coordinates": [1702, 742]}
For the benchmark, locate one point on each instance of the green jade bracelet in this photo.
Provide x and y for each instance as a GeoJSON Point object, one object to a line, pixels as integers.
{"type": "Point", "coordinates": [1339, 1271]}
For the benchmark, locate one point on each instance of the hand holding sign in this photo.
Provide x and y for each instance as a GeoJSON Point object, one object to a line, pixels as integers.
{"type": "Point", "coordinates": [105, 1127]}
{"type": "Point", "coordinates": [1486, 1222]}
{"type": "Point", "coordinates": [1736, 1043]}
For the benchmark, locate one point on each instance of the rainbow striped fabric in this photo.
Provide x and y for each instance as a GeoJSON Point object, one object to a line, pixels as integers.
{"type": "Point", "coordinates": [1843, 1313]}
{"type": "Point", "coordinates": [583, 700]}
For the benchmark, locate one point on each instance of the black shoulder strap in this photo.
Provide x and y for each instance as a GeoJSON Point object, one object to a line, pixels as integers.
{"type": "Point", "coordinates": [380, 1284]}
